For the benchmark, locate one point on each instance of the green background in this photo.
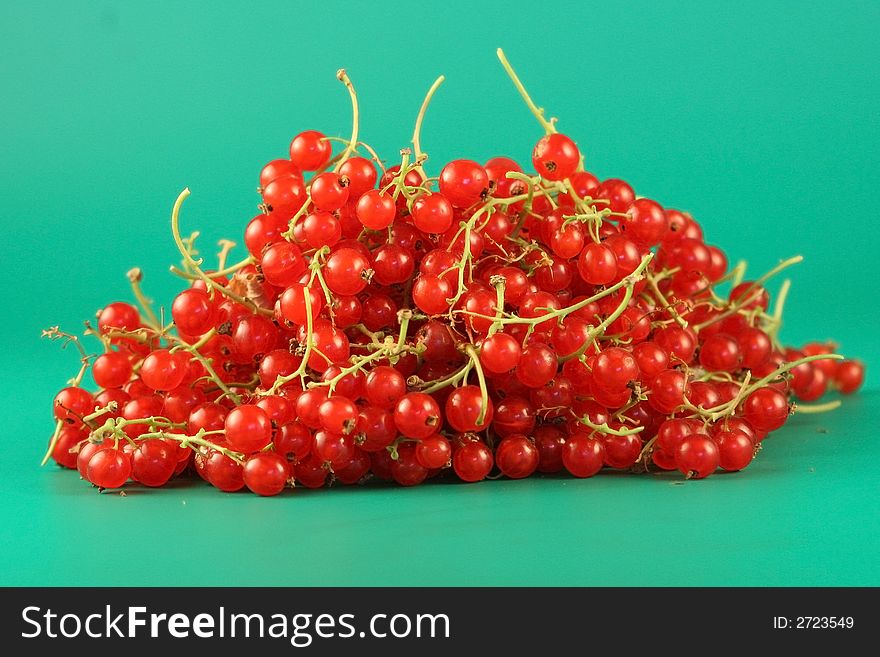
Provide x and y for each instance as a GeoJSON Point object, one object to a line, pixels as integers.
{"type": "Point", "coordinates": [760, 118]}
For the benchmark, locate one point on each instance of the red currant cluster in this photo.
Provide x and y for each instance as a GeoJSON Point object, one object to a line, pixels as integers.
{"type": "Point", "coordinates": [394, 325]}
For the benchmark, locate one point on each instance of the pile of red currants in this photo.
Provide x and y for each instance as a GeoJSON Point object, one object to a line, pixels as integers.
{"type": "Point", "coordinates": [488, 322]}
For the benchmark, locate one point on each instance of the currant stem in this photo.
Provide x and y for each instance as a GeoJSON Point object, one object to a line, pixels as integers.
{"type": "Point", "coordinates": [195, 265]}
{"type": "Point", "coordinates": [627, 281]}
{"type": "Point", "coordinates": [135, 276]}
{"type": "Point", "coordinates": [748, 295]}
{"type": "Point", "coordinates": [301, 370]}
{"type": "Point", "coordinates": [225, 247]}
{"type": "Point", "coordinates": [776, 320]}
{"type": "Point", "coordinates": [537, 111]}
{"type": "Point", "coordinates": [342, 76]}
{"type": "Point", "coordinates": [604, 428]}
{"type": "Point", "coordinates": [459, 375]}
{"type": "Point", "coordinates": [416, 138]}
{"type": "Point", "coordinates": [231, 269]}
{"type": "Point", "coordinates": [817, 408]}
{"type": "Point", "coordinates": [484, 391]}
{"type": "Point", "coordinates": [665, 302]}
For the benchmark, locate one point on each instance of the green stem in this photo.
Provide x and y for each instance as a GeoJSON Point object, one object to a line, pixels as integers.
{"type": "Point", "coordinates": [537, 111]}
{"type": "Point", "coordinates": [459, 375]}
{"type": "Point", "coordinates": [342, 76]}
{"type": "Point", "coordinates": [195, 265]}
{"type": "Point", "coordinates": [484, 391]}
{"type": "Point", "coordinates": [817, 408]}
{"type": "Point", "coordinates": [748, 294]}
{"type": "Point", "coordinates": [416, 138]}
{"type": "Point", "coordinates": [604, 428]}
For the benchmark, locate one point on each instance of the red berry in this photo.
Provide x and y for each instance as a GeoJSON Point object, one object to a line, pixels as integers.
{"type": "Point", "coordinates": [433, 452]}
{"type": "Point", "coordinates": [310, 150]}
{"type": "Point", "coordinates": [697, 456]}
{"type": "Point", "coordinates": [376, 210]}
{"type": "Point", "coordinates": [433, 213]}
{"type": "Point", "coordinates": [555, 157]}
{"type": "Point", "coordinates": [417, 415]}
{"type": "Point", "coordinates": [194, 312]}
{"type": "Point", "coordinates": [163, 370]}
{"type": "Point", "coordinates": [583, 455]}
{"type": "Point", "coordinates": [346, 271]}
{"type": "Point", "coordinates": [329, 191]}
{"type": "Point", "coordinates": [735, 449]}
{"type": "Point", "coordinates": [500, 353]}
{"type": "Point", "coordinates": [109, 468]}
{"type": "Point", "coordinates": [472, 461]}
{"type": "Point", "coordinates": [361, 174]}
{"type": "Point", "coordinates": [112, 369]}
{"type": "Point", "coordinates": [248, 428]}
{"type": "Point", "coordinates": [849, 376]}
{"type": "Point", "coordinates": [276, 169]}
{"type": "Point", "coordinates": [464, 408]}
{"type": "Point", "coordinates": [463, 182]}
{"type": "Point", "coordinates": [597, 264]}
{"type": "Point", "coordinates": [766, 409]}
{"type": "Point", "coordinates": [266, 473]}
{"type": "Point", "coordinates": [153, 462]}
{"type": "Point", "coordinates": [516, 456]}
{"type": "Point", "coordinates": [338, 415]}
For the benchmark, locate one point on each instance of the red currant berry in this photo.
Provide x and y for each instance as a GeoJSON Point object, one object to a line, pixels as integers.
{"type": "Point", "coordinates": [466, 410]}
{"type": "Point", "coordinates": [697, 456]}
{"type": "Point", "coordinates": [720, 353]}
{"type": "Point", "coordinates": [597, 264]}
{"type": "Point", "coordinates": [583, 455]}
{"type": "Point", "coordinates": [614, 369]}
{"type": "Point", "coordinates": [500, 353]}
{"type": "Point", "coordinates": [266, 473]}
{"type": "Point", "coordinates": [385, 386]}
{"type": "Point", "coordinates": [555, 157]}
{"type": "Point", "coordinates": [406, 469]}
{"type": "Point", "coordinates": [163, 370]}
{"type": "Point", "coordinates": [433, 213]}
{"type": "Point", "coordinates": [617, 194]}
{"type": "Point", "coordinates": [849, 376]}
{"type": "Point", "coordinates": [338, 415]}
{"type": "Point", "coordinates": [735, 449]}
{"type": "Point", "coordinates": [194, 312]}
{"type": "Point", "coordinates": [434, 452]}
{"type": "Point", "coordinates": [276, 169]}
{"type": "Point", "coordinates": [463, 182]}
{"type": "Point", "coordinates": [321, 229]}
{"type": "Point", "coordinates": [417, 415]}
{"type": "Point", "coordinates": [361, 174]}
{"type": "Point", "coordinates": [430, 294]}
{"type": "Point", "coordinates": [112, 369]}
{"type": "Point", "coordinates": [284, 196]}
{"type": "Point", "coordinates": [766, 409]}
{"type": "Point", "coordinates": [292, 303]}
{"type": "Point", "coordinates": [109, 468]}
{"type": "Point", "coordinates": [472, 461]}
{"type": "Point", "coordinates": [248, 428]}
{"type": "Point", "coordinates": [516, 456]}
{"type": "Point", "coordinates": [645, 222]}
{"type": "Point", "coordinates": [346, 271]}
{"type": "Point", "coordinates": [153, 462]}
{"type": "Point", "coordinates": [310, 150]}
{"type": "Point", "coordinates": [329, 191]}
{"type": "Point", "coordinates": [119, 316]}
{"type": "Point", "coordinates": [376, 210]}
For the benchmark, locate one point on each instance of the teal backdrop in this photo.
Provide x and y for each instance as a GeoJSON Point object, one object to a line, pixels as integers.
{"type": "Point", "coordinates": [758, 117]}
